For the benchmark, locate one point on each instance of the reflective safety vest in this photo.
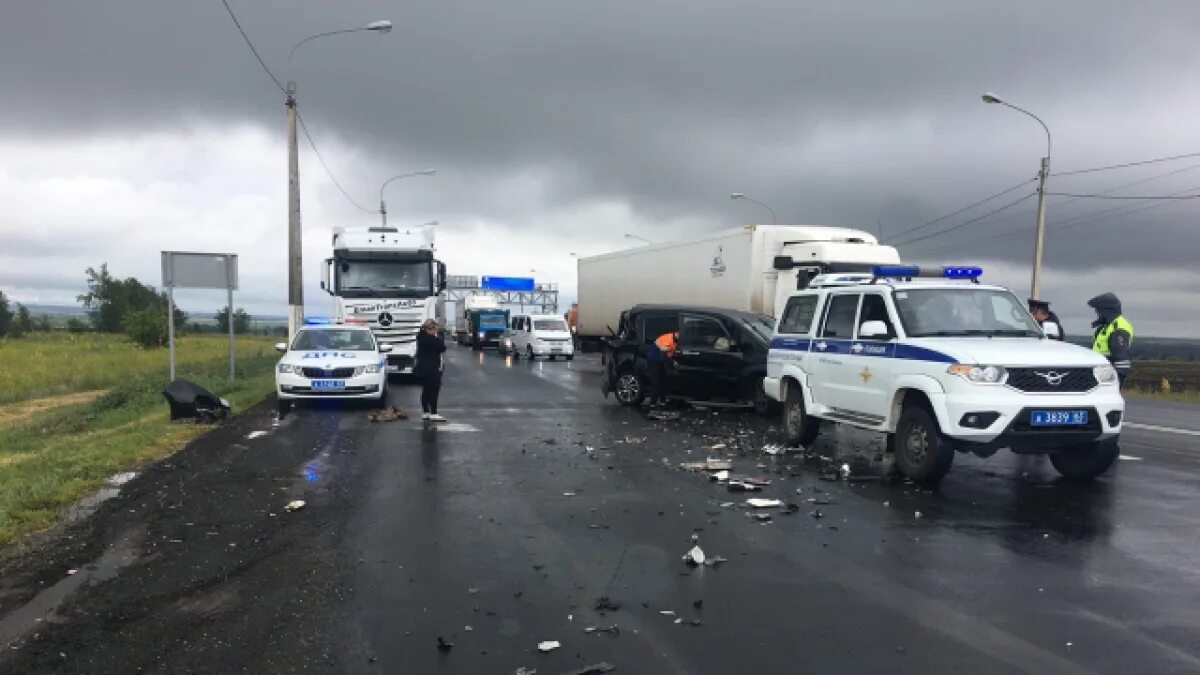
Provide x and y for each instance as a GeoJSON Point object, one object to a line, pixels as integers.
{"type": "Point", "coordinates": [666, 343]}
{"type": "Point", "coordinates": [1100, 345]}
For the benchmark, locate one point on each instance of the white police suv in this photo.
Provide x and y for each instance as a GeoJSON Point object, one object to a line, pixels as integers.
{"type": "Point", "coordinates": [940, 366]}
{"type": "Point", "coordinates": [328, 360]}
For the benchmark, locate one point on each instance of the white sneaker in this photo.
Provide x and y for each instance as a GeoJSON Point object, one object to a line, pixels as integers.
{"type": "Point", "coordinates": [436, 418]}
{"type": "Point", "coordinates": [425, 416]}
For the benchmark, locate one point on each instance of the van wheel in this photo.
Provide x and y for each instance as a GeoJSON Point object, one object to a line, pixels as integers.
{"type": "Point", "coordinates": [529, 353]}
{"type": "Point", "coordinates": [629, 390]}
{"type": "Point", "coordinates": [551, 357]}
{"type": "Point", "coordinates": [1085, 462]}
{"type": "Point", "coordinates": [799, 428]}
{"type": "Point", "coordinates": [923, 453]}
{"type": "Point", "coordinates": [569, 357]}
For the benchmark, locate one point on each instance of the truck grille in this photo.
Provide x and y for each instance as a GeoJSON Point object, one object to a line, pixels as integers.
{"type": "Point", "coordinates": [1043, 380]}
{"type": "Point", "coordinates": [340, 373]}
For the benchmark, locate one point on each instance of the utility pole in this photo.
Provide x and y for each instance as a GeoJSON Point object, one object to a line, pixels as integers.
{"type": "Point", "coordinates": [1036, 282]}
{"type": "Point", "coordinates": [295, 240]}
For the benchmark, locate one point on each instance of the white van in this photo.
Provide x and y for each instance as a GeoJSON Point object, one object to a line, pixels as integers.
{"type": "Point", "coordinates": [534, 335]}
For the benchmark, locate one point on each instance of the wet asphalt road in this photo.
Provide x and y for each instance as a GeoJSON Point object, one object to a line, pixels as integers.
{"type": "Point", "coordinates": [501, 530]}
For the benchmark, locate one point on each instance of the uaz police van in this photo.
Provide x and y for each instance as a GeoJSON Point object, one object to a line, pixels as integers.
{"type": "Point", "coordinates": [940, 365]}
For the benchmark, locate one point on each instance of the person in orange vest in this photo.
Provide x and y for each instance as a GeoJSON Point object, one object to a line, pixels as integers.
{"type": "Point", "coordinates": [658, 355]}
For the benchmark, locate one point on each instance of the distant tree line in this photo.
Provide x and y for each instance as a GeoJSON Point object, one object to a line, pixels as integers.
{"type": "Point", "coordinates": [14, 324]}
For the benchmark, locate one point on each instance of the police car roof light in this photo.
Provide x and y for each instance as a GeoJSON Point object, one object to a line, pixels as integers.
{"type": "Point", "coordinates": [355, 320]}
{"type": "Point", "coordinates": [895, 271]}
{"type": "Point", "coordinates": [959, 272]}
{"type": "Point", "coordinates": [317, 321]}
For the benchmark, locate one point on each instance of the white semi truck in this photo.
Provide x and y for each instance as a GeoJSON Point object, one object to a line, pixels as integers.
{"type": "Point", "coordinates": [386, 277]}
{"type": "Point", "coordinates": [752, 268]}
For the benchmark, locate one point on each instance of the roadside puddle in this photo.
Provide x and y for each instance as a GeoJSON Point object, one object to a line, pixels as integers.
{"type": "Point", "coordinates": [88, 505]}
{"type": "Point", "coordinates": [41, 609]}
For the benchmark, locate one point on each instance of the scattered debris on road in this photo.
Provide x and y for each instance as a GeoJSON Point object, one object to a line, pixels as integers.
{"type": "Point", "coordinates": [548, 646]}
{"type": "Point", "coordinates": [444, 646]}
{"type": "Point", "coordinates": [694, 557]}
{"type": "Point", "coordinates": [605, 604]}
{"type": "Point", "coordinates": [774, 449]}
{"type": "Point", "coordinates": [255, 434]}
{"type": "Point", "coordinates": [593, 669]}
{"type": "Point", "coordinates": [387, 415]}
{"type": "Point", "coordinates": [715, 561]}
{"type": "Point", "coordinates": [759, 503]}
{"type": "Point", "coordinates": [294, 505]}
{"type": "Point", "coordinates": [717, 464]}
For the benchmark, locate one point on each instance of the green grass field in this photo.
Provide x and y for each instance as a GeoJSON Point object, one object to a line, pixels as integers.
{"type": "Point", "coordinates": [64, 453]}
{"type": "Point", "coordinates": [50, 364]}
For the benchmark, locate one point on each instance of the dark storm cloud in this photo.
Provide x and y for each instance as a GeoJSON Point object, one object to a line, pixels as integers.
{"type": "Point", "coordinates": [834, 112]}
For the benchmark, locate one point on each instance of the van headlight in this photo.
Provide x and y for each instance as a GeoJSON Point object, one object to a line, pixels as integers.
{"type": "Point", "coordinates": [1105, 374]}
{"type": "Point", "coordinates": [287, 369]}
{"type": "Point", "coordinates": [979, 374]}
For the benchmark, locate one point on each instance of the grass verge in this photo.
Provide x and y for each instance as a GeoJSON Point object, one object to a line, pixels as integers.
{"type": "Point", "coordinates": [53, 364]}
{"type": "Point", "coordinates": [63, 454]}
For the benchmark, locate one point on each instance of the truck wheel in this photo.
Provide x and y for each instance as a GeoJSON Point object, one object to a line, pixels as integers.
{"type": "Point", "coordinates": [799, 428]}
{"type": "Point", "coordinates": [923, 453]}
{"type": "Point", "coordinates": [1085, 462]}
{"type": "Point", "coordinates": [629, 389]}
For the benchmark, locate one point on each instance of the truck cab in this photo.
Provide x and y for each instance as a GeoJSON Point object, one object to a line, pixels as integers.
{"type": "Point", "coordinates": [939, 365]}
{"type": "Point", "coordinates": [388, 279]}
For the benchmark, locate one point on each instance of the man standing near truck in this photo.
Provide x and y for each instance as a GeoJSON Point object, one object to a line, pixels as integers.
{"type": "Point", "coordinates": [1114, 333]}
{"type": "Point", "coordinates": [658, 355]}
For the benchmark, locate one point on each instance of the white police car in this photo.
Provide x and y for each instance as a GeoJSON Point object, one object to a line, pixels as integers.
{"type": "Point", "coordinates": [940, 366]}
{"type": "Point", "coordinates": [331, 361]}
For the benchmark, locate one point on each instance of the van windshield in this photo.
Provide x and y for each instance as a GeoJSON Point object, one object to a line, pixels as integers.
{"type": "Point", "coordinates": [963, 312]}
{"type": "Point", "coordinates": [550, 325]}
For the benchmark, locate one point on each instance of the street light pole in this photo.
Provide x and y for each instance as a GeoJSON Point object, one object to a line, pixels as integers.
{"type": "Point", "coordinates": [382, 204]}
{"type": "Point", "coordinates": [295, 233]}
{"type": "Point", "coordinates": [739, 195]}
{"type": "Point", "coordinates": [295, 238]}
{"type": "Point", "coordinates": [1043, 174]}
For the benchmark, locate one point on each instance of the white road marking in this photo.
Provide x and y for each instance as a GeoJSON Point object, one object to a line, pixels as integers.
{"type": "Point", "coordinates": [1166, 430]}
{"type": "Point", "coordinates": [1131, 458]}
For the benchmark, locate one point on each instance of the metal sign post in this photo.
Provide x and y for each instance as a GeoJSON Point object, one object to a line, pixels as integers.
{"type": "Point", "coordinates": [185, 269]}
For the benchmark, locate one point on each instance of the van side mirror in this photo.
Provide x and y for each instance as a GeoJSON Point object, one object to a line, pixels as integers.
{"type": "Point", "coordinates": [783, 262]}
{"type": "Point", "coordinates": [441, 271]}
{"type": "Point", "coordinates": [281, 347]}
{"type": "Point", "coordinates": [384, 349]}
{"type": "Point", "coordinates": [874, 330]}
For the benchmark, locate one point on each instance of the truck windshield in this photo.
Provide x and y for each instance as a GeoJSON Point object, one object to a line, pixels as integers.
{"type": "Point", "coordinates": [963, 312]}
{"type": "Point", "coordinates": [384, 278]}
{"type": "Point", "coordinates": [497, 321]}
{"type": "Point", "coordinates": [550, 325]}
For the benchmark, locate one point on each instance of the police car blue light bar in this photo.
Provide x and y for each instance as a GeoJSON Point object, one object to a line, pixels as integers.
{"type": "Point", "coordinates": [895, 271]}
{"type": "Point", "coordinates": [317, 321]}
{"type": "Point", "coordinates": [958, 272]}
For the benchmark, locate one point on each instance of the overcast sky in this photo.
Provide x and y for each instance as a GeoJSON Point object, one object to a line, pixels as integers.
{"type": "Point", "coordinates": [129, 127]}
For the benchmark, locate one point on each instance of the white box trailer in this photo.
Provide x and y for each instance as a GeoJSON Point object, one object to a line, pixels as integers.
{"type": "Point", "coordinates": [751, 268]}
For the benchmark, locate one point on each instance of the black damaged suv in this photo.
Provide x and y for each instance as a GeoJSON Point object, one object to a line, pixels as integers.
{"type": "Point", "coordinates": [721, 355]}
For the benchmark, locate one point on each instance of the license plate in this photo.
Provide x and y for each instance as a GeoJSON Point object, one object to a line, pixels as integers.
{"type": "Point", "coordinates": [329, 384]}
{"type": "Point", "coordinates": [556, 350]}
{"type": "Point", "coordinates": [1058, 418]}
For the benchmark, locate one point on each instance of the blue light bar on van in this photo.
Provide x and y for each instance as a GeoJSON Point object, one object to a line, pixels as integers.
{"type": "Point", "coordinates": [317, 321]}
{"type": "Point", "coordinates": [895, 271]}
{"type": "Point", "coordinates": [962, 272]}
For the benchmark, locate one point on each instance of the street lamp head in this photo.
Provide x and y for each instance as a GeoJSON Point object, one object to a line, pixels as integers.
{"type": "Point", "coordinates": [737, 195]}
{"type": "Point", "coordinates": [989, 97]}
{"type": "Point", "coordinates": [380, 26]}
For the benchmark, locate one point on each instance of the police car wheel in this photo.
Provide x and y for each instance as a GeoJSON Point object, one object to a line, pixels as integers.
{"type": "Point", "coordinates": [923, 454]}
{"type": "Point", "coordinates": [1085, 462]}
{"type": "Point", "coordinates": [285, 407]}
{"type": "Point", "coordinates": [799, 428]}
{"type": "Point", "coordinates": [629, 389]}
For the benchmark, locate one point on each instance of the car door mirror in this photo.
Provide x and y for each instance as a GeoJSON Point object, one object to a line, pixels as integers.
{"type": "Point", "coordinates": [384, 349]}
{"type": "Point", "coordinates": [281, 347]}
{"type": "Point", "coordinates": [874, 330]}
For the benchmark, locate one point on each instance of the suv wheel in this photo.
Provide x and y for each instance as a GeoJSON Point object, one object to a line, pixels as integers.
{"type": "Point", "coordinates": [1085, 462]}
{"type": "Point", "coordinates": [799, 428]}
{"type": "Point", "coordinates": [763, 404]}
{"type": "Point", "coordinates": [923, 453]}
{"type": "Point", "coordinates": [629, 389]}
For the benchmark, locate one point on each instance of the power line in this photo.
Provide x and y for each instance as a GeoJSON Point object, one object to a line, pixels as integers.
{"type": "Point", "coordinates": [1104, 196]}
{"type": "Point", "coordinates": [965, 208]}
{"type": "Point", "coordinates": [328, 172]}
{"type": "Point", "coordinates": [251, 46]}
{"type": "Point", "coordinates": [969, 222]}
{"type": "Point", "coordinates": [1126, 165]}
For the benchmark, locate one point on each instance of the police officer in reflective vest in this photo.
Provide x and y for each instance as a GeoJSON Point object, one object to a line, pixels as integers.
{"type": "Point", "coordinates": [1114, 333]}
{"type": "Point", "coordinates": [1048, 320]}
